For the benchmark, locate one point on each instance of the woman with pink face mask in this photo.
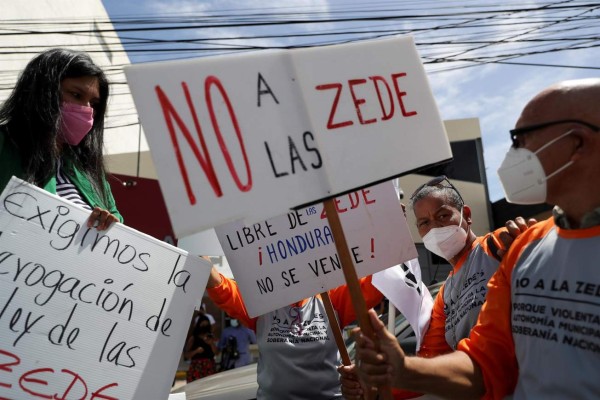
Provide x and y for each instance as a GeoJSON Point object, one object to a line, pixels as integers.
{"type": "Point", "coordinates": [51, 131]}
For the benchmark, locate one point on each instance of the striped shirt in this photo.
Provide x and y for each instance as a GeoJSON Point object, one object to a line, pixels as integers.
{"type": "Point", "coordinates": [67, 190]}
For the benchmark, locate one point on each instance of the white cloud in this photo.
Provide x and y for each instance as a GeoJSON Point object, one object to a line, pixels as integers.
{"type": "Point", "coordinates": [235, 8]}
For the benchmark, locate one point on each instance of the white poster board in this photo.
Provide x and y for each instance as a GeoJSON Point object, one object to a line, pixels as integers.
{"type": "Point", "coordinates": [251, 135]}
{"type": "Point", "coordinates": [203, 243]}
{"type": "Point", "coordinates": [291, 257]}
{"type": "Point", "coordinates": [88, 314]}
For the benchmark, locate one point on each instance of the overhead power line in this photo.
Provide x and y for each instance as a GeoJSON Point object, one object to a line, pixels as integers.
{"type": "Point", "coordinates": [448, 35]}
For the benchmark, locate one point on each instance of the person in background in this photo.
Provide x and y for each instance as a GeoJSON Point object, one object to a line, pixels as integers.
{"type": "Point", "coordinates": [234, 345]}
{"type": "Point", "coordinates": [52, 130]}
{"type": "Point", "coordinates": [200, 349]}
{"type": "Point", "coordinates": [201, 323]}
{"type": "Point", "coordinates": [297, 351]}
{"type": "Point", "coordinates": [211, 319]}
{"type": "Point", "coordinates": [535, 337]}
{"type": "Point", "coordinates": [444, 223]}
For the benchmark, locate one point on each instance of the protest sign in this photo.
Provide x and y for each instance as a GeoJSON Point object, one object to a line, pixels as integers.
{"type": "Point", "coordinates": [404, 288]}
{"type": "Point", "coordinates": [250, 136]}
{"type": "Point", "coordinates": [87, 314]}
{"type": "Point", "coordinates": [291, 257]}
{"type": "Point", "coordinates": [203, 243]}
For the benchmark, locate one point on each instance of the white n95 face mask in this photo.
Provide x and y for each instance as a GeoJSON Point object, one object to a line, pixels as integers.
{"type": "Point", "coordinates": [523, 177]}
{"type": "Point", "coordinates": [446, 241]}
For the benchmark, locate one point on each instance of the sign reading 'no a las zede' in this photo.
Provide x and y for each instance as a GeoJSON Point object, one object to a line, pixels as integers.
{"type": "Point", "coordinates": [249, 136]}
{"type": "Point", "coordinates": [87, 314]}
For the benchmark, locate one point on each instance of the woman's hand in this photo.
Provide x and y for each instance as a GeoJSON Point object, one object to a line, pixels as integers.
{"type": "Point", "coordinates": [351, 389]}
{"type": "Point", "coordinates": [101, 219]}
{"type": "Point", "coordinates": [198, 350]}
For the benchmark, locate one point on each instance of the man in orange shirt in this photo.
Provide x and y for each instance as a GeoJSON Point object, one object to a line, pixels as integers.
{"type": "Point", "coordinates": [444, 223]}
{"type": "Point", "coordinates": [538, 332]}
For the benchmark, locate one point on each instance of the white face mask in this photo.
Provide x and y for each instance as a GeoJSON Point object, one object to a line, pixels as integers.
{"type": "Point", "coordinates": [234, 323]}
{"type": "Point", "coordinates": [523, 177]}
{"type": "Point", "coordinates": [446, 241]}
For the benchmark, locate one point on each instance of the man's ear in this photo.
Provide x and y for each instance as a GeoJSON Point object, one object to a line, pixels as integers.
{"type": "Point", "coordinates": [582, 142]}
{"type": "Point", "coordinates": [467, 214]}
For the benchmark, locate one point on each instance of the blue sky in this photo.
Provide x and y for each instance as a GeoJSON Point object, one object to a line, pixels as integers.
{"type": "Point", "coordinates": [494, 93]}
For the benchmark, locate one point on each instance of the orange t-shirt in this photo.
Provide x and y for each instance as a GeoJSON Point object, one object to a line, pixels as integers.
{"type": "Point", "coordinates": [533, 337]}
{"type": "Point", "coordinates": [454, 313]}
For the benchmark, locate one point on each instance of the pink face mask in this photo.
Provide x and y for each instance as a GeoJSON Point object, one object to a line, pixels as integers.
{"type": "Point", "coordinates": [76, 122]}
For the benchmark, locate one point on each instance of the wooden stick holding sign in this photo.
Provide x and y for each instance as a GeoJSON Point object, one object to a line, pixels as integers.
{"type": "Point", "coordinates": [351, 277]}
{"type": "Point", "coordinates": [335, 328]}
{"type": "Point", "coordinates": [339, 339]}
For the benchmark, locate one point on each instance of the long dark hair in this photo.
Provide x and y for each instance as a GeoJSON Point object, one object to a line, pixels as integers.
{"type": "Point", "coordinates": [31, 117]}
